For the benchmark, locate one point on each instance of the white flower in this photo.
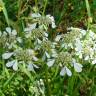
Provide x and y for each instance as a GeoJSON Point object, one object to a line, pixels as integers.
{"type": "Point", "coordinates": [77, 66]}
{"type": "Point", "coordinates": [28, 34]}
{"type": "Point", "coordinates": [46, 34]}
{"type": "Point", "coordinates": [58, 37]}
{"type": "Point", "coordinates": [52, 20]}
{"type": "Point", "coordinates": [54, 53]}
{"type": "Point", "coordinates": [64, 71]}
{"type": "Point", "coordinates": [78, 45]}
{"type": "Point", "coordinates": [63, 45]}
{"type": "Point", "coordinates": [86, 58]}
{"type": "Point", "coordinates": [31, 66]}
{"type": "Point", "coordinates": [83, 32]}
{"type": "Point", "coordinates": [19, 39]}
{"type": "Point", "coordinates": [10, 31]}
{"type": "Point", "coordinates": [13, 64]}
{"type": "Point", "coordinates": [70, 45]}
{"type": "Point", "coordinates": [30, 27]}
{"type": "Point", "coordinates": [80, 55]}
{"type": "Point", "coordinates": [14, 32]}
{"type": "Point", "coordinates": [35, 15]}
{"type": "Point", "coordinates": [50, 62]}
{"type": "Point", "coordinates": [53, 25]}
{"type": "Point", "coordinates": [35, 58]}
{"type": "Point", "coordinates": [39, 41]}
{"type": "Point", "coordinates": [30, 52]}
{"type": "Point", "coordinates": [91, 34]}
{"type": "Point", "coordinates": [94, 61]}
{"type": "Point", "coordinates": [7, 55]}
{"type": "Point", "coordinates": [47, 55]}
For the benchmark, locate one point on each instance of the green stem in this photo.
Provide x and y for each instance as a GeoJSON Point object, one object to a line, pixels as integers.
{"type": "Point", "coordinates": [47, 82]}
{"type": "Point", "coordinates": [5, 11]}
{"type": "Point", "coordinates": [88, 8]}
{"type": "Point", "coordinates": [36, 4]}
{"type": "Point", "coordinates": [9, 80]}
{"type": "Point", "coordinates": [1, 93]}
{"type": "Point", "coordinates": [71, 83]}
{"type": "Point", "coordinates": [88, 12]}
{"type": "Point", "coordinates": [24, 70]}
{"type": "Point", "coordinates": [46, 1]}
{"type": "Point", "coordinates": [56, 72]}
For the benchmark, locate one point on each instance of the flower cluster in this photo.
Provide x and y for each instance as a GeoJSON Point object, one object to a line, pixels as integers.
{"type": "Point", "coordinates": [17, 53]}
{"type": "Point", "coordinates": [80, 45]}
{"type": "Point", "coordinates": [37, 88]}
{"type": "Point", "coordinates": [66, 50]}
{"type": "Point", "coordinates": [21, 56]}
{"type": "Point", "coordinates": [9, 38]}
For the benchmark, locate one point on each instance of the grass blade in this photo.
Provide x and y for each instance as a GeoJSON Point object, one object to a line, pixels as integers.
{"type": "Point", "coordinates": [5, 11]}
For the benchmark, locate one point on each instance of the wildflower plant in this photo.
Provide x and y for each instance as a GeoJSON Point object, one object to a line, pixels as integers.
{"type": "Point", "coordinates": [74, 46]}
{"type": "Point", "coordinates": [34, 51]}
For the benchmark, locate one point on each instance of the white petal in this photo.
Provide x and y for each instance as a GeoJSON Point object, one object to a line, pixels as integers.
{"type": "Point", "coordinates": [19, 39]}
{"type": "Point", "coordinates": [47, 55]}
{"type": "Point", "coordinates": [68, 72]}
{"type": "Point", "coordinates": [35, 58]}
{"type": "Point", "coordinates": [54, 55]}
{"type": "Point", "coordinates": [4, 33]}
{"type": "Point", "coordinates": [14, 32]}
{"type": "Point", "coordinates": [10, 63]}
{"type": "Point", "coordinates": [7, 55]}
{"type": "Point", "coordinates": [51, 17]}
{"type": "Point", "coordinates": [35, 15]}
{"type": "Point", "coordinates": [78, 67]}
{"type": "Point", "coordinates": [86, 58]}
{"type": "Point", "coordinates": [78, 45]}
{"type": "Point", "coordinates": [27, 30]}
{"type": "Point", "coordinates": [34, 65]}
{"type": "Point", "coordinates": [83, 32]}
{"type": "Point", "coordinates": [46, 34]}
{"type": "Point", "coordinates": [8, 29]}
{"type": "Point", "coordinates": [94, 61]}
{"type": "Point", "coordinates": [63, 45]}
{"type": "Point", "coordinates": [58, 37]}
{"type": "Point", "coordinates": [80, 56]}
{"type": "Point", "coordinates": [50, 62]}
{"type": "Point", "coordinates": [15, 65]}
{"type": "Point", "coordinates": [91, 33]}
{"type": "Point", "coordinates": [32, 26]}
{"type": "Point", "coordinates": [39, 41]}
{"type": "Point", "coordinates": [30, 67]}
{"type": "Point", "coordinates": [44, 57]}
{"type": "Point", "coordinates": [63, 71]}
{"type": "Point", "coordinates": [53, 25]}
{"type": "Point", "coordinates": [70, 45]}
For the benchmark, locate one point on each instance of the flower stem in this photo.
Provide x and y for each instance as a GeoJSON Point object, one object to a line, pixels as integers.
{"type": "Point", "coordinates": [46, 1]}
{"type": "Point", "coordinates": [4, 11]}
{"type": "Point", "coordinates": [47, 82]}
{"type": "Point", "coordinates": [89, 13]}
